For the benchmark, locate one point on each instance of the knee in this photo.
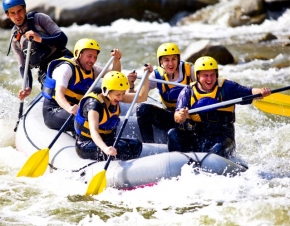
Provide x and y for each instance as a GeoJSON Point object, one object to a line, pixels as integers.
{"type": "Point", "coordinates": [172, 140]}
{"type": "Point", "coordinates": [129, 149]}
{"type": "Point", "coordinates": [225, 148]}
{"type": "Point", "coordinates": [171, 134]}
{"type": "Point", "coordinates": [143, 110]}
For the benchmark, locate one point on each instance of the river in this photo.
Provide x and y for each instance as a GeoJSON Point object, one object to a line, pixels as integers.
{"type": "Point", "coordinates": [260, 196]}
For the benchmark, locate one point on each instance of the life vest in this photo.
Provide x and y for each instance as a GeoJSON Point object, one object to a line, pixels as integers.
{"type": "Point", "coordinates": [107, 124]}
{"type": "Point", "coordinates": [223, 114]}
{"type": "Point", "coordinates": [78, 84]}
{"type": "Point", "coordinates": [169, 93]}
{"type": "Point", "coordinates": [39, 52]}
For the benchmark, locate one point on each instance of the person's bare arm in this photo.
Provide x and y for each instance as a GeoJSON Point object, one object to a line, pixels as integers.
{"type": "Point", "coordinates": [181, 115]}
{"type": "Point", "coordinates": [117, 60]}
{"type": "Point", "coordinates": [93, 117]}
{"type": "Point", "coordinates": [264, 91]}
{"type": "Point", "coordinates": [62, 101]}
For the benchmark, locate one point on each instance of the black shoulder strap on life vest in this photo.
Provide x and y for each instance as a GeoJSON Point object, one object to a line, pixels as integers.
{"type": "Point", "coordinates": [30, 21]}
{"type": "Point", "coordinates": [9, 47]}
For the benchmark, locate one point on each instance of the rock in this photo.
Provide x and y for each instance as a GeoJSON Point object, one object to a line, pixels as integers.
{"type": "Point", "coordinates": [248, 12]}
{"type": "Point", "coordinates": [268, 37]}
{"type": "Point", "coordinates": [252, 7]}
{"type": "Point", "coordinates": [205, 48]}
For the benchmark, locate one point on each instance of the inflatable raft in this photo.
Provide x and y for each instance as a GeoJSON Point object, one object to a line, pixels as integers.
{"type": "Point", "coordinates": [154, 163]}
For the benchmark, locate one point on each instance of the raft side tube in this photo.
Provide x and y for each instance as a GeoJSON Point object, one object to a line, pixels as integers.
{"type": "Point", "coordinates": [215, 164]}
{"type": "Point", "coordinates": [151, 169]}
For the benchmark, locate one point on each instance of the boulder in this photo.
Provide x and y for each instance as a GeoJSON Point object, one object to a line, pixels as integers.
{"type": "Point", "coordinates": [205, 48]}
{"type": "Point", "coordinates": [248, 12]}
{"type": "Point", "coordinates": [268, 37]}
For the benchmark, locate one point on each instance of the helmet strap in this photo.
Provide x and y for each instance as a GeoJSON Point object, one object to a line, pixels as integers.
{"type": "Point", "coordinates": [79, 63]}
{"type": "Point", "coordinates": [105, 92]}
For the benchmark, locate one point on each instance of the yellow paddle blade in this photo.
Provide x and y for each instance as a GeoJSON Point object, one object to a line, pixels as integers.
{"type": "Point", "coordinates": [97, 184]}
{"type": "Point", "coordinates": [276, 103]}
{"type": "Point", "coordinates": [36, 165]}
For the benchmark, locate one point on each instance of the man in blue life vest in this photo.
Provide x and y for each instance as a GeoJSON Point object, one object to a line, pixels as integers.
{"type": "Point", "coordinates": [68, 79]}
{"type": "Point", "coordinates": [172, 69]}
{"type": "Point", "coordinates": [49, 42]}
{"type": "Point", "coordinates": [212, 130]}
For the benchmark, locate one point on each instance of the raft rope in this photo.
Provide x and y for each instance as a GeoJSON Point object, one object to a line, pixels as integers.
{"type": "Point", "coordinates": [35, 101]}
{"type": "Point", "coordinates": [196, 161]}
{"type": "Point", "coordinates": [73, 171]}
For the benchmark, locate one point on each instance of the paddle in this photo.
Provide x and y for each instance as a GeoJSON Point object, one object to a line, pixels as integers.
{"type": "Point", "coordinates": [98, 183]}
{"type": "Point", "coordinates": [277, 103]}
{"type": "Point", "coordinates": [37, 163]}
{"type": "Point", "coordinates": [165, 82]}
{"type": "Point", "coordinates": [234, 101]}
{"type": "Point", "coordinates": [24, 80]}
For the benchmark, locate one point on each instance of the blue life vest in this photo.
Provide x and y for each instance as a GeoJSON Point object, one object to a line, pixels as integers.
{"type": "Point", "coordinates": [107, 124]}
{"type": "Point", "coordinates": [221, 114]}
{"type": "Point", "coordinates": [169, 93]}
{"type": "Point", "coordinates": [78, 85]}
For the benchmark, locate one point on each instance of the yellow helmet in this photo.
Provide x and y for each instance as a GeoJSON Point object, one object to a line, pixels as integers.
{"type": "Point", "coordinates": [167, 49]}
{"type": "Point", "coordinates": [114, 80]}
{"type": "Point", "coordinates": [204, 63]}
{"type": "Point", "coordinates": [85, 43]}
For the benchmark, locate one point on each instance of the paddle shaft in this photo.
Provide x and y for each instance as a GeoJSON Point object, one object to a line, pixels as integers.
{"type": "Point", "coordinates": [164, 82]}
{"type": "Point", "coordinates": [222, 104]}
{"type": "Point", "coordinates": [235, 101]}
{"type": "Point", "coordinates": [89, 90]}
{"type": "Point", "coordinates": [24, 80]}
{"type": "Point", "coordinates": [126, 118]}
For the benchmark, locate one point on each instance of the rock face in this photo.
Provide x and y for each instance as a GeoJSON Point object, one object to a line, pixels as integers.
{"type": "Point", "coordinates": [104, 12]}
{"type": "Point", "coordinates": [246, 12]}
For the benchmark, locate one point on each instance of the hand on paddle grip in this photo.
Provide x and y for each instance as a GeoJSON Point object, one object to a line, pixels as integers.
{"type": "Point", "coordinates": [263, 91]}
{"type": "Point", "coordinates": [116, 53]}
{"type": "Point", "coordinates": [110, 151]}
{"type": "Point", "coordinates": [148, 67]}
{"type": "Point", "coordinates": [181, 115]}
{"type": "Point", "coordinates": [132, 76]}
{"type": "Point", "coordinates": [24, 93]}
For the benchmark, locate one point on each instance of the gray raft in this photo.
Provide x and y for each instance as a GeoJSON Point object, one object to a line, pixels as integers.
{"type": "Point", "coordinates": [154, 163]}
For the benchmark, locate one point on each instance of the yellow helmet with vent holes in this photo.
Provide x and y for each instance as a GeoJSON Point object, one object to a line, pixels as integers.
{"type": "Point", "coordinates": [85, 43]}
{"type": "Point", "coordinates": [114, 80]}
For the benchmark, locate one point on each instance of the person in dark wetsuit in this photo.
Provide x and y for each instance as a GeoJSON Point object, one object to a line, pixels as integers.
{"type": "Point", "coordinates": [49, 42]}
{"type": "Point", "coordinates": [213, 130]}
{"type": "Point", "coordinates": [98, 117]}
{"type": "Point", "coordinates": [172, 69]}
{"type": "Point", "coordinates": [68, 79]}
